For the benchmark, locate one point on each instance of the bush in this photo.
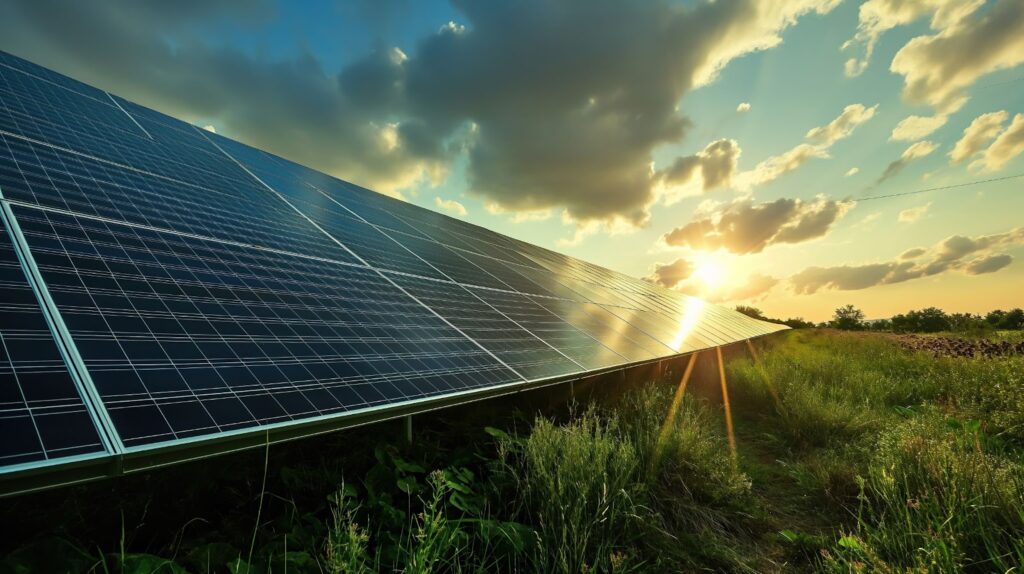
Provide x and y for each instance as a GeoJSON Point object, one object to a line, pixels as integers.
{"type": "Point", "coordinates": [938, 497]}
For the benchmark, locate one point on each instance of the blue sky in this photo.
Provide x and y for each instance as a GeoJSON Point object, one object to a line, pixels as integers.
{"type": "Point", "coordinates": [578, 125]}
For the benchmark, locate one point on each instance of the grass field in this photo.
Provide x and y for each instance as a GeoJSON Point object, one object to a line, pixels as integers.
{"type": "Point", "coordinates": [854, 455]}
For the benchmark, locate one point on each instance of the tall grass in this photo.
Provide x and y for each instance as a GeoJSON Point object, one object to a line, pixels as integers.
{"type": "Point", "coordinates": [872, 459]}
{"type": "Point", "coordinates": [924, 452]}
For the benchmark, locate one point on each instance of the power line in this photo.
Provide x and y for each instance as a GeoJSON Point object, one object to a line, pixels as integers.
{"type": "Point", "coordinates": [965, 184]}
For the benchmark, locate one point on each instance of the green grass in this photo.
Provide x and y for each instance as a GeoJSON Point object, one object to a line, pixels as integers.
{"type": "Point", "coordinates": [872, 459]}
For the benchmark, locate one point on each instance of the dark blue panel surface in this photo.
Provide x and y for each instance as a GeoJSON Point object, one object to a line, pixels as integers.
{"type": "Point", "coordinates": [525, 353]}
{"type": "Point", "coordinates": [186, 337]}
{"type": "Point", "coordinates": [42, 416]}
{"type": "Point", "coordinates": [243, 212]}
{"type": "Point", "coordinates": [548, 327]}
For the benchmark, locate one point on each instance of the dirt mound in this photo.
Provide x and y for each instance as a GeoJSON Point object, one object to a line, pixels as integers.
{"type": "Point", "coordinates": [953, 347]}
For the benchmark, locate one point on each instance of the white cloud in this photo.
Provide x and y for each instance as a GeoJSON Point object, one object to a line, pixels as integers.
{"type": "Point", "coordinates": [451, 206]}
{"type": "Point", "coordinates": [977, 135]}
{"type": "Point", "coordinates": [755, 287]}
{"type": "Point", "coordinates": [871, 217]}
{"type": "Point", "coordinates": [912, 214]}
{"type": "Point", "coordinates": [879, 16]}
{"type": "Point", "coordinates": [938, 68]}
{"type": "Point", "coordinates": [970, 255]}
{"type": "Point", "coordinates": [1008, 145]}
{"type": "Point", "coordinates": [853, 115]}
{"type": "Point", "coordinates": [913, 128]}
{"type": "Point", "coordinates": [743, 107]}
{"type": "Point", "coordinates": [210, 128]}
{"type": "Point", "coordinates": [852, 171]}
{"type": "Point", "coordinates": [822, 138]}
{"type": "Point", "coordinates": [744, 226]}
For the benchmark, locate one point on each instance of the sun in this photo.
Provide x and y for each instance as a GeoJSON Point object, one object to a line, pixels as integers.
{"type": "Point", "coordinates": [710, 271]}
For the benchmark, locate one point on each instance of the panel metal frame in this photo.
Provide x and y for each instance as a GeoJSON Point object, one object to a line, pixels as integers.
{"type": "Point", "coordinates": [108, 436]}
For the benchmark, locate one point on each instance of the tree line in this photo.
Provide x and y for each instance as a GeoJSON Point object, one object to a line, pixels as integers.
{"type": "Point", "coordinates": [927, 320]}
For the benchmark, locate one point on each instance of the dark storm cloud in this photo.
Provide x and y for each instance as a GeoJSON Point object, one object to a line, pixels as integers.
{"type": "Point", "coordinates": [559, 104]}
{"type": "Point", "coordinates": [748, 227]}
{"type": "Point", "coordinates": [291, 107]}
{"type": "Point", "coordinates": [971, 255]}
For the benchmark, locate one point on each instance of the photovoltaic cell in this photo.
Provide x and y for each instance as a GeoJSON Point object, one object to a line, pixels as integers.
{"type": "Point", "coordinates": [42, 415]}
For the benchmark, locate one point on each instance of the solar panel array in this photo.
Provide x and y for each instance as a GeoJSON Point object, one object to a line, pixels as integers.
{"type": "Point", "coordinates": [163, 287]}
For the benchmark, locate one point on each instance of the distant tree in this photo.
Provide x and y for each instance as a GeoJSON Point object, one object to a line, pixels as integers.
{"type": "Point", "coordinates": [798, 323]}
{"type": "Point", "coordinates": [880, 325]}
{"type": "Point", "coordinates": [964, 322]}
{"type": "Point", "coordinates": [929, 320]}
{"type": "Point", "coordinates": [1013, 319]}
{"type": "Point", "coordinates": [994, 318]}
{"type": "Point", "coordinates": [901, 323]}
{"type": "Point", "coordinates": [848, 318]}
{"type": "Point", "coordinates": [752, 312]}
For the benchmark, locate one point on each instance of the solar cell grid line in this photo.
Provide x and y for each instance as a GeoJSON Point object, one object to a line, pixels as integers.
{"type": "Point", "coordinates": [288, 178]}
{"type": "Point", "coordinates": [129, 115]}
{"type": "Point", "coordinates": [389, 278]}
{"type": "Point", "coordinates": [443, 262]}
{"type": "Point", "coordinates": [47, 176]}
{"type": "Point", "coordinates": [725, 323]}
{"type": "Point", "coordinates": [26, 100]}
{"type": "Point", "coordinates": [101, 128]}
{"type": "Point", "coordinates": [712, 327]}
{"type": "Point", "coordinates": [291, 179]}
{"type": "Point", "coordinates": [447, 261]}
{"type": "Point", "coordinates": [370, 243]}
{"type": "Point", "coordinates": [517, 347]}
{"type": "Point", "coordinates": [577, 345]}
{"type": "Point", "coordinates": [43, 418]}
{"type": "Point", "coordinates": [504, 273]}
{"type": "Point", "coordinates": [681, 334]}
{"type": "Point", "coordinates": [591, 357]}
{"type": "Point", "coordinates": [275, 337]}
{"type": "Point", "coordinates": [617, 334]}
{"type": "Point", "coordinates": [551, 282]}
{"type": "Point", "coordinates": [45, 74]}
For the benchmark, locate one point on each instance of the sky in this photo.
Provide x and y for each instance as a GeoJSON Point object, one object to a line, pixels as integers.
{"type": "Point", "coordinates": [757, 152]}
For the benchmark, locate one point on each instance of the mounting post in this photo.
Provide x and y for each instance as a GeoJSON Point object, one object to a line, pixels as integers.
{"type": "Point", "coordinates": [408, 429]}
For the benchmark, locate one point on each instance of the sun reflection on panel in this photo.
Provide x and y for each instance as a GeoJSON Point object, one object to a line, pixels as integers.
{"type": "Point", "coordinates": [692, 314]}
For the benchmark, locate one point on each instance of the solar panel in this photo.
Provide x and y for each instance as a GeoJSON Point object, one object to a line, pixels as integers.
{"type": "Point", "coordinates": [186, 337]}
{"type": "Point", "coordinates": [43, 417]}
{"type": "Point", "coordinates": [169, 293]}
